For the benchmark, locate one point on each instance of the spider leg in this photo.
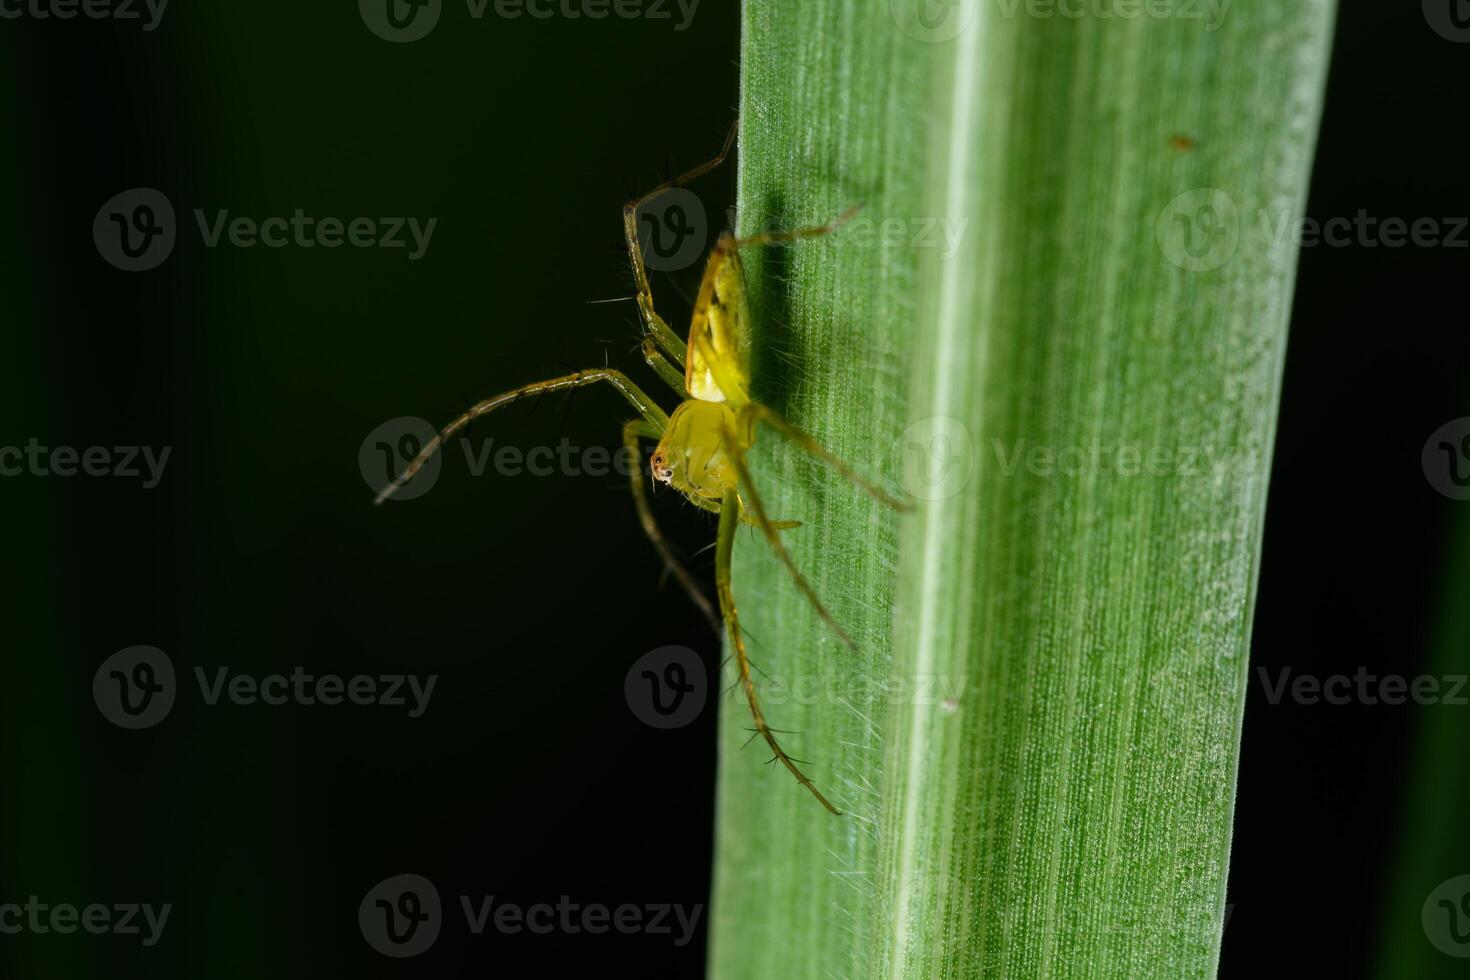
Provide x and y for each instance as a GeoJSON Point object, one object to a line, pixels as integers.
{"type": "Point", "coordinates": [754, 412]}
{"type": "Point", "coordinates": [632, 432]}
{"type": "Point", "coordinates": [736, 452]}
{"type": "Point", "coordinates": [797, 234]}
{"type": "Point", "coordinates": [714, 508]}
{"type": "Point", "coordinates": [646, 407]}
{"type": "Point", "coordinates": [662, 334]}
{"type": "Point", "coordinates": [729, 522]}
{"type": "Point", "coordinates": [670, 375]}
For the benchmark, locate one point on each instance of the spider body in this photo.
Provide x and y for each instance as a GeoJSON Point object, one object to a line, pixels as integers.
{"type": "Point", "coordinates": [702, 446]}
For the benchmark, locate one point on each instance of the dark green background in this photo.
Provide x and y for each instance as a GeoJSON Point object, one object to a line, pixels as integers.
{"type": "Point", "coordinates": [529, 778]}
{"type": "Point", "coordinates": [265, 370]}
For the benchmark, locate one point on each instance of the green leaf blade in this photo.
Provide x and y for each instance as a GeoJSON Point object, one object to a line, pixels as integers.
{"type": "Point", "coordinates": [1038, 735]}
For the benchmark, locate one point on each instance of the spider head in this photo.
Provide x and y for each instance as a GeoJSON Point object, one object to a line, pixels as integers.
{"type": "Point", "coordinates": [691, 457]}
{"type": "Point", "coordinates": [659, 464]}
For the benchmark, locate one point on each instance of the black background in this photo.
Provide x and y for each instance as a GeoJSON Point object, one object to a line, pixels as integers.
{"type": "Point", "coordinates": [529, 778]}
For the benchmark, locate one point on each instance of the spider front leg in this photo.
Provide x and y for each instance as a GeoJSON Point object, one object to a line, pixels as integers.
{"type": "Point", "coordinates": [736, 450]}
{"type": "Point", "coordinates": [632, 432]}
{"type": "Point", "coordinates": [646, 407]}
{"type": "Point", "coordinates": [714, 508]}
{"type": "Point", "coordinates": [754, 412]}
{"type": "Point", "coordinates": [670, 375]}
{"type": "Point", "coordinates": [792, 235]}
{"type": "Point", "coordinates": [724, 549]}
{"type": "Point", "coordinates": [738, 442]}
{"type": "Point", "coordinates": [662, 334]}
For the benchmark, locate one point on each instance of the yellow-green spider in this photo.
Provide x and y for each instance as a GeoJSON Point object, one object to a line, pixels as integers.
{"type": "Point", "coordinates": [701, 447]}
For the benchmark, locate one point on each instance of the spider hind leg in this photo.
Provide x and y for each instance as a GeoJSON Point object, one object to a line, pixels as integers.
{"type": "Point", "coordinates": [729, 522]}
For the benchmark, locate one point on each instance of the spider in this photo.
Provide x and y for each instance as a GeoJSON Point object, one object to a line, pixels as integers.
{"type": "Point", "coordinates": [701, 448]}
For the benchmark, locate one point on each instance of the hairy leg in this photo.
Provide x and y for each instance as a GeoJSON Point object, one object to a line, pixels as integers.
{"type": "Point", "coordinates": [755, 412]}
{"type": "Point", "coordinates": [796, 234]}
{"type": "Point", "coordinates": [646, 407]}
{"type": "Point", "coordinates": [657, 328]}
{"type": "Point", "coordinates": [736, 452]}
{"type": "Point", "coordinates": [632, 432]}
{"type": "Point", "coordinates": [715, 508]}
{"type": "Point", "coordinates": [667, 372]}
{"type": "Point", "coordinates": [724, 549]}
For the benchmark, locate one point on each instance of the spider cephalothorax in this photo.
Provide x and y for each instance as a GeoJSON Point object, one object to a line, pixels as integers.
{"type": "Point", "coordinates": [692, 456]}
